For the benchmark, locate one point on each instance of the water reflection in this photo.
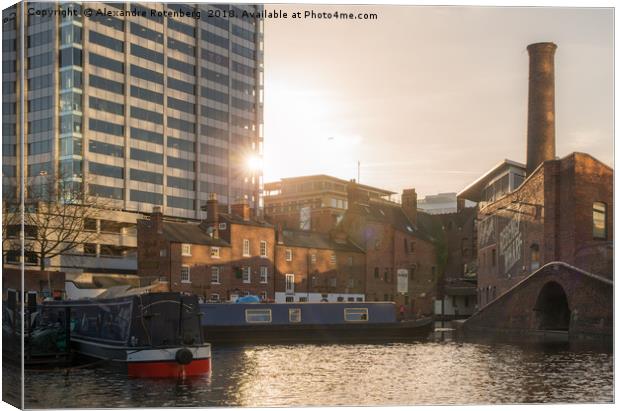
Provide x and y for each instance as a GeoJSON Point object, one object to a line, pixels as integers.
{"type": "Point", "coordinates": [433, 372]}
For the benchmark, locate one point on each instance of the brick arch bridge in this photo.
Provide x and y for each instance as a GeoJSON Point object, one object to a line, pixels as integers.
{"type": "Point", "coordinates": [556, 298]}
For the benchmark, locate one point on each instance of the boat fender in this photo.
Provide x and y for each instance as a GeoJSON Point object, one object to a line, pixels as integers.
{"type": "Point", "coordinates": [184, 356]}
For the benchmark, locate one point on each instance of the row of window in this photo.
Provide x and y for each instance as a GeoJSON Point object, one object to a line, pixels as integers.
{"type": "Point", "coordinates": [246, 274]}
{"type": "Point", "coordinates": [294, 315]}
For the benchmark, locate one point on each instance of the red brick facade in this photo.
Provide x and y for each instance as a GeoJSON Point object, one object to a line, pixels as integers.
{"type": "Point", "coordinates": [326, 271]}
{"type": "Point", "coordinates": [394, 245]}
{"type": "Point", "coordinates": [548, 218]}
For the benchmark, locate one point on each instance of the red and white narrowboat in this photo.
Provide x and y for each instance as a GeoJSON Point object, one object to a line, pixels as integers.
{"type": "Point", "coordinates": [153, 335]}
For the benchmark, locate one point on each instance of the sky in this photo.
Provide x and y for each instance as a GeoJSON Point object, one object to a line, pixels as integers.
{"type": "Point", "coordinates": [428, 97]}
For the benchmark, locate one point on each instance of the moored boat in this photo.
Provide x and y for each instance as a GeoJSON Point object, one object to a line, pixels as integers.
{"type": "Point", "coordinates": [152, 334]}
{"type": "Point", "coordinates": [309, 322]}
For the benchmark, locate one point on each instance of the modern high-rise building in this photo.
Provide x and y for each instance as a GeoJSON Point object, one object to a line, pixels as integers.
{"type": "Point", "coordinates": [141, 105]}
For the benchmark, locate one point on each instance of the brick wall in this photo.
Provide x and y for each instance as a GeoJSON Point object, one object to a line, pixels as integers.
{"type": "Point", "coordinates": [589, 301]}
{"type": "Point", "coordinates": [552, 210]}
{"type": "Point", "coordinates": [321, 276]}
{"type": "Point", "coordinates": [255, 234]}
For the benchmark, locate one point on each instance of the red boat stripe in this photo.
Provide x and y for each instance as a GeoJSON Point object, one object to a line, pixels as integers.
{"type": "Point", "coordinates": [168, 369]}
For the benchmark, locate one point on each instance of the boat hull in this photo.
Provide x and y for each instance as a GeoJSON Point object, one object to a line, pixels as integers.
{"type": "Point", "coordinates": [148, 362]}
{"type": "Point", "coordinates": [324, 333]}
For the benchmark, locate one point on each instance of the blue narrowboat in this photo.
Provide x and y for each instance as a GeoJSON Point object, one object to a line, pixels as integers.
{"type": "Point", "coordinates": [308, 322]}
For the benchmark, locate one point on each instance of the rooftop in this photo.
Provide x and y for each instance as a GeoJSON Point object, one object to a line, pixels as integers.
{"type": "Point", "coordinates": [473, 191]}
{"type": "Point", "coordinates": [311, 239]}
{"type": "Point", "coordinates": [190, 233]}
{"type": "Point", "coordinates": [274, 185]}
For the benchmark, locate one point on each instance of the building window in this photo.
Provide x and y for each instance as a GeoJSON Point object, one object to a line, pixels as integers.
{"type": "Point", "coordinates": [333, 259]}
{"type": "Point", "coordinates": [258, 316]}
{"type": "Point", "coordinates": [263, 248]}
{"type": "Point", "coordinates": [185, 278]}
{"type": "Point", "coordinates": [246, 247]}
{"type": "Point", "coordinates": [215, 252]}
{"type": "Point", "coordinates": [350, 261]}
{"type": "Point", "coordinates": [222, 226]}
{"type": "Point", "coordinates": [215, 298]}
{"type": "Point", "coordinates": [263, 296]}
{"type": "Point", "coordinates": [493, 257]}
{"type": "Point", "coordinates": [355, 314]}
{"type": "Point", "coordinates": [263, 274]}
{"type": "Point", "coordinates": [313, 258]}
{"type": "Point", "coordinates": [294, 315]}
{"type": "Point", "coordinates": [599, 229]}
{"type": "Point", "coordinates": [290, 283]}
{"type": "Point", "coordinates": [215, 275]}
{"type": "Point", "coordinates": [186, 250]}
{"type": "Point", "coordinates": [288, 253]}
{"type": "Point", "coordinates": [376, 272]}
{"type": "Point", "coordinates": [290, 299]}
{"type": "Point", "coordinates": [247, 275]}
{"type": "Point", "coordinates": [534, 257]}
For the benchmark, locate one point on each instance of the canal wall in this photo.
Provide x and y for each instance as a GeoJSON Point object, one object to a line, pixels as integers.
{"type": "Point", "coordinates": [558, 299]}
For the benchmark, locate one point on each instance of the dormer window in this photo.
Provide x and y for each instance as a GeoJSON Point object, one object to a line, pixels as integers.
{"type": "Point", "coordinates": [186, 250]}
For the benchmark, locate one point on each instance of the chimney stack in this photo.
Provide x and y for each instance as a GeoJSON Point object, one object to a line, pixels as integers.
{"type": "Point", "coordinates": [157, 219]}
{"type": "Point", "coordinates": [409, 203]}
{"type": "Point", "coordinates": [242, 209]}
{"type": "Point", "coordinates": [355, 194]}
{"type": "Point", "coordinates": [211, 222]}
{"type": "Point", "coordinates": [541, 105]}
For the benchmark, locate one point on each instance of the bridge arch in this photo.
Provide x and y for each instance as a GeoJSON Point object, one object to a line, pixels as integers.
{"type": "Point", "coordinates": [552, 309]}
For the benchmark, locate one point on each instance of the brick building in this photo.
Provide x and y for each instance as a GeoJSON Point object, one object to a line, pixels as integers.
{"type": "Point", "coordinates": [456, 290]}
{"type": "Point", "coordinates": [561, 212]}
{"type": "Point", "coordinates": [312, 266]}
{"type": "Point", "coordinates": [547, 210]}
{"type": "Point", "coordinates": [314, 203]}
{"type": "Point", "coordinates": [225, 256]}
{"type": "Point", "coordinates": [401, 258]}
{"type": "Point", "coordinates": [253, 245]}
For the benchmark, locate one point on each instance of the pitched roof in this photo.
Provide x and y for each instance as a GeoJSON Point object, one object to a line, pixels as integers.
{"type": "Point", "coordinates": [392, 214]}
{"type": "Point", "coordinates": [312, 239]}
{"type": "Point", "coordinates": [190, 233]}
{"type": "Point", "coordinates": [235, 219]}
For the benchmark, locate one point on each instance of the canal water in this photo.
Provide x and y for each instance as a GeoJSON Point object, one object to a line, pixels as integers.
{"type": "Point", "coordinates": [435, 371]}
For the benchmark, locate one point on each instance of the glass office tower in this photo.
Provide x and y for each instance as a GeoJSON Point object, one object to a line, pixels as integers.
{"type": "Point", "coordinates": [138, 104]}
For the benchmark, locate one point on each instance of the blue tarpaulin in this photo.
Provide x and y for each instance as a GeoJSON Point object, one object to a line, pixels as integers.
{"type": "Point", "coordinates": [248, 299]}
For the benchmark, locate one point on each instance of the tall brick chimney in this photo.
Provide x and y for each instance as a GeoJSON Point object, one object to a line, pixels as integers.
{"type": "Point", "coordinates": [210, 224]}
{"type": "Point", "coordinates": [242, 209]}
{"type": "Point", "coordinates": [157, 219]}
{"type": "Point", "coordinates": [541, 105]}
{"type": "Point", "coordinates": [409, 203]}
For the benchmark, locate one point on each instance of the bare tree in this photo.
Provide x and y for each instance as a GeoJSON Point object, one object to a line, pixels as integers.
{"type": "Point", "coordinates": [56, 214]}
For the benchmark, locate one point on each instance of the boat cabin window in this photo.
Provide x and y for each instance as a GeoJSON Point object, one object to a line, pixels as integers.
{"type": "Point", "coordinates": [257, 316]}
{"type": "Point", "coordinates": [294, 315]}
{"type": "Point", "coordinates": [356, 314]}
